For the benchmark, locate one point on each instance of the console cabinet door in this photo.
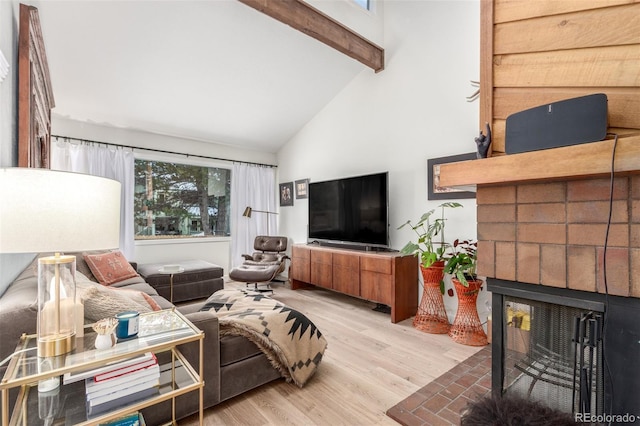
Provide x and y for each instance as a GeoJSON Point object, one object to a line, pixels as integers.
{"type": "Point", "coordinates": [346, 273]}
{"type": "Point", "coordinates": [376, 279]}
{"type": "Point", "coordinates": [321, 269]}
{"type": "Point", "coordinates": [301, 264]}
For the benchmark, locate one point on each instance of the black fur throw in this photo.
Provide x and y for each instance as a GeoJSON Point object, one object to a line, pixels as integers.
{"type": "Point", "coordinates": [513, 411]}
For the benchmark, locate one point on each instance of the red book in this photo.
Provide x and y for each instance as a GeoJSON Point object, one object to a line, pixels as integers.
{"type": "Point", "coordinates": [117, 372]}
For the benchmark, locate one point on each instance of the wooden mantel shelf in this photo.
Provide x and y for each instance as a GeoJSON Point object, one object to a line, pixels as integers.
{"type": "Point", "coordinates": [572, 162]}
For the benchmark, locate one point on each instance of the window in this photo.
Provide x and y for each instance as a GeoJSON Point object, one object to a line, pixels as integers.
{"type": "Point", "coordinates": [365, 4]}
{"type": "Point", "coordinates": [180, 200]}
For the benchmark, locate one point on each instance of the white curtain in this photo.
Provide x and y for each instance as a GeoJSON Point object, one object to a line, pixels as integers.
{"type": "Point", "coordinates": [251, 186]}
{"type": "Point", "coordinates": [110, 162]}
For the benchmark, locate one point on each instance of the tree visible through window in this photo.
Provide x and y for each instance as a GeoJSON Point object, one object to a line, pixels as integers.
{"type": "Point", "coordinates": [180, 200]}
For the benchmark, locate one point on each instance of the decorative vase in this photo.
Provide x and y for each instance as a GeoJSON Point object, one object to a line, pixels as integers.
{"type": "Point", "coordinates": [105, 341]}
{"type": "Point", "coordinates": [431, 316]}
{"type": "Point", "coordinates": [105, 333]}
{"type": "Point", "coordinates": [467, 328]}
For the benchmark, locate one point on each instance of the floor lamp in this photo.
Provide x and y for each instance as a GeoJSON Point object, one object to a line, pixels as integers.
{"type": "Point", "coordinates": [248, 211]}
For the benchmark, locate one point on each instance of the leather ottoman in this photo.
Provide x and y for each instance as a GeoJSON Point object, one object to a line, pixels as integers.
{"type": "Point", "coordinates": [198, 279]}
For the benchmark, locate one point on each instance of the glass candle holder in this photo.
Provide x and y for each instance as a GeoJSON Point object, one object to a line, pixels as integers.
{"type": "Point", "coordinates": [56, 305]}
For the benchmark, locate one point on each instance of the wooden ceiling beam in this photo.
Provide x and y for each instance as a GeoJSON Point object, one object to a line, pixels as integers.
{"type": "Point", "coordinates": [312, 22]}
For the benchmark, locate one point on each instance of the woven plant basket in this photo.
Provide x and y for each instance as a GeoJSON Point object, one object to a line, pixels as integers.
{"type": "Point", "coordinates": [431, 316]}
{"type": "Point", "coordinates": [467, 328]}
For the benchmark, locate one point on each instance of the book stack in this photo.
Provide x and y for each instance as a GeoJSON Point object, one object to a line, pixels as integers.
{"type": "Point", "coordinates": [133, 419]}
{"type": "Point", "coordinates": [125, 382]}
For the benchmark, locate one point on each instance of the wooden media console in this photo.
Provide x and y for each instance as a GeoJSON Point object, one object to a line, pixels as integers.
{"type": "Point", "coordinates": [382, 277]}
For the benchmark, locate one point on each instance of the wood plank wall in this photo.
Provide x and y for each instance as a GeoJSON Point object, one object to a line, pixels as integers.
{"type": "Point", "coordinates": [538, 51]}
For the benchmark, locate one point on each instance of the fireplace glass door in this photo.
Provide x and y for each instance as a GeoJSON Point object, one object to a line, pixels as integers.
{"type": "Point", "coordinates": [553, 354]}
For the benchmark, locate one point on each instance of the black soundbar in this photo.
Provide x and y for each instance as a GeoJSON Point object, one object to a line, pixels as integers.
{"type": "Point", "coordinates": [563, 123]}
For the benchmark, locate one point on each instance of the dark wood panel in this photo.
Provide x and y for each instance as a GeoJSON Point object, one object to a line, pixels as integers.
{"type": "Point", "coordinates": [301, 252]}
{"type": "Point", "coordinates": [321, 274]}
{"type": "Point", "coordinates": [321, 256]}
{"type": "Point", "coordinates": [346, 280]}
{"type": "Point", "coordinates": [406, 288]}
{"type": "Point", "coordinates": [376, 264]}
{"type": "Point", "coordinates": [376, 287]}
{"type": "Point", "coordinates": [300, 269]}
{"type": "Point", "coordinates": [346, 260]}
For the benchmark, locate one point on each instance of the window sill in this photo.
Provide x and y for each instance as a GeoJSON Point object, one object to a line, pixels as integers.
{"type": "Point", "coordinates": [169, 241]}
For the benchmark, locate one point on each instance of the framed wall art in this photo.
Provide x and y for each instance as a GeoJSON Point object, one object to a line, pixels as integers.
{"type": "Point", "coordinates": [286, 194]}
{"type": "Point", "coordinates": [302, 188]}
{"type": "Point", "coordinates": [435, 191]}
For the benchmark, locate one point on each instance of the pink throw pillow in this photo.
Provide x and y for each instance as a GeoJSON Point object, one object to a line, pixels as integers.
{"type": "Point", "coordinates": [110, 268]}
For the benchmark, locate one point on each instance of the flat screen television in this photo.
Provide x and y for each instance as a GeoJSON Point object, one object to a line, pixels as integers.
{"type": "Point", "coordinates": [353, 211]}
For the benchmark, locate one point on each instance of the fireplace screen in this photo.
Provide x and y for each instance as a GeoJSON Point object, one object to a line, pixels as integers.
{"type": "Point", "coordinates": [553, 354]}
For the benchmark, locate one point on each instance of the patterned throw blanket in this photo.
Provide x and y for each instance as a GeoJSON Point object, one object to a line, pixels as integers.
{"type": "Point", "coordinates": [293, 344]}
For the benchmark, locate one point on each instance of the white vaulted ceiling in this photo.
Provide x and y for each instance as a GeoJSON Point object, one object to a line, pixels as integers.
{"type": "Point", "coordinates": [211, 70]}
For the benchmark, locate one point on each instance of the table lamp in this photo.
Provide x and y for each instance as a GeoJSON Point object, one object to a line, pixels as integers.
{"type": "Point", "coordinates": [51, 211]}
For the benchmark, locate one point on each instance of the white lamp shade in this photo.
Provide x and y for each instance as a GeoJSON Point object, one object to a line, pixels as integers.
{"type": "Point", "coordinates": [44, 210]}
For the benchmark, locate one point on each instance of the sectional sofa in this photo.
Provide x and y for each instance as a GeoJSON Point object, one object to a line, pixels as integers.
{"type": "Point", "coordinates": [232, 364]}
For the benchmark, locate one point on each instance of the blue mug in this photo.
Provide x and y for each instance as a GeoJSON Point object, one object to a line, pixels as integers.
{"type": "Point", "coordinates": [127, 324]}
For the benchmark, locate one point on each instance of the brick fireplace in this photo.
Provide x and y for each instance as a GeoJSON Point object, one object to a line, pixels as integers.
{"type": "Point", "coordinates": [542, 248]}
{"type": "Point", "coordinates": [553, 234]}
{"type": "Point", "coordinates": [542, 215]}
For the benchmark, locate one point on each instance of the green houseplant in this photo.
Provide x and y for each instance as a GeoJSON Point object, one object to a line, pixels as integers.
{"type": "Point", "coordinates": [461, 264]}
{"type": "Point", "coordinates": [463, 261]}
{"type": "Point", "coordinates": [430, 246]}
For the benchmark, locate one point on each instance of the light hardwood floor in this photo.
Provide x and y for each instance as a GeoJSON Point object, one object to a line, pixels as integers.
{"type": "Point", "coordinates": [369, 366]}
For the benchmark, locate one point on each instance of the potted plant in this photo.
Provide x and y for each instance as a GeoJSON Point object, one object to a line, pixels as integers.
{"type": "Point", "coordinates": [461, 264]}
{"type": "Point", "coordinates": [430, 246]}
{"type": "Point", "coordinates": [431, 249]}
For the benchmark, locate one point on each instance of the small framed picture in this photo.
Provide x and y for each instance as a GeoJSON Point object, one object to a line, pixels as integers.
{"type": "Point", "coordinates": [302, 188]}
{"type": "Point", "coordinates": [437, 192]}
{"type": "Point", "coordinates": [286, 194]}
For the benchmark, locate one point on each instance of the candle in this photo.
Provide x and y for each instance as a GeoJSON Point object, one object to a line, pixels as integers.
{"type": "Point", "coordinates": [127, 324]}
{"type": "Point", "coordinates": [79, 313]}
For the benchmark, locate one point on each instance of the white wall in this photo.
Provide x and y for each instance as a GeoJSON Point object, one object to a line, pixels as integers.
{"type": "Point", "coordinates": [9, 15]}
{"type": "Point", "coordinates": [397, 119]}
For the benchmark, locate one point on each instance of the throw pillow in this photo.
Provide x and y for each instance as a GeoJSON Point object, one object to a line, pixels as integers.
{"type": "Point", "coordinates": [106, 303]}
{"type": "Point", "coordinates": [110, 268]}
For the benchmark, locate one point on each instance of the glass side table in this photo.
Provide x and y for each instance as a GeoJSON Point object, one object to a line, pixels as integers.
{"type": "Point", "coordinates": [160, 331]}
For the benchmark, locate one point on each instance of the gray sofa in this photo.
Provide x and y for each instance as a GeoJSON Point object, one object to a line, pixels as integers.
{"type": "Point", "coordinates": [232, 364]}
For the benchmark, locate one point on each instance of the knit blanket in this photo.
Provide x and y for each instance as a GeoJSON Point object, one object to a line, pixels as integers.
{"type": "Point", "coordinates": [292, 343]}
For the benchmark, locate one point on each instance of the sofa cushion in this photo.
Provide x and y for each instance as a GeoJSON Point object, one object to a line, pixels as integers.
{"type": "Point", "coordinates": [19, 309]}
{"type": "Point", "coordinates": [110, 267]}
{"type": "Point", "coordinates": [236, 348]}
{"type": "Point", "coordinates": [107, 302]}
